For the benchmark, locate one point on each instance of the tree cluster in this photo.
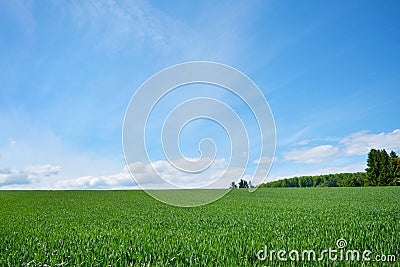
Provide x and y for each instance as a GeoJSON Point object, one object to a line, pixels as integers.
{"type": "Point", "coordinates": [383, 169]}
{"type": "Point", "coordinates": [242, 184]}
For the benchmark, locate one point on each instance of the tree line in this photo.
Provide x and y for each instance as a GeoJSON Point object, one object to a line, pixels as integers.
{"type": "Point", "coordinates": [242, 184]}
{"type": "Point", "coordinates": [328, 180]}
{"type": "Point", "coordinates": [383, 169]}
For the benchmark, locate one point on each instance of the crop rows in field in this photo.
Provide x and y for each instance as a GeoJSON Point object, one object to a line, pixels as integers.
{"type": "Point", "coordinates": [128, 228]}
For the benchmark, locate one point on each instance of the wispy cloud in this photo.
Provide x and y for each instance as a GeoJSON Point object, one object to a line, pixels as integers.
{"type": "Point", "coordinates": [303, 142]}
{"type": "Point", "coordinates": [27, 176]}
{"type": "Point", "coordinates": [354, 144]}
{"type": "Point", "coordinates": [43, 170]}
{"type": "Point", "coordinates": [360, 143]}
{"type": "Point", "coordinates": [265, 160]}
{"type": "Point", "coordinates": [312, 155]}
{"type": "Point", "coordinates": [294, 137]}
{"type": "Point", "coordinates": [118, 25]}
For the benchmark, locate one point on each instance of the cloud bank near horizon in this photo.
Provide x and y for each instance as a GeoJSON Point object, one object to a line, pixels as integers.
{"type": "Point", "coordinates": [355, 144]}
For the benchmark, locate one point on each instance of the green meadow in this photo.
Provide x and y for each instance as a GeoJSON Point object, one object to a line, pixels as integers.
{"type": "Point", "coordinates": [129, 228]}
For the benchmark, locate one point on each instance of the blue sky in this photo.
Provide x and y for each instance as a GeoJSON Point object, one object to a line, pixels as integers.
{"type": "Point", "coordinates": [329, 70]}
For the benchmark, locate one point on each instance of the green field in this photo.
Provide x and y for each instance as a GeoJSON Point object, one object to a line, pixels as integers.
{"type": "Point", "coordinates": [124, 228]}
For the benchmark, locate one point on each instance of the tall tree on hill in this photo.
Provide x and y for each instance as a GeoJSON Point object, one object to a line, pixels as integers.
{"type": "Point", "coordinates": [393, 168]}
{"type": "Point", "coordinates": [374, 168]}
{"type": "Point", "coordinates": [382, 168]}
{"type": "Point", "coordinates": [383, 178]}
{"type": "Point", "coordinates": [396, 180]}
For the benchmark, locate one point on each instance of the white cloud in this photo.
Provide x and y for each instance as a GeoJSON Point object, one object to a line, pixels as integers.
{"type": "Point", "coordinates": [303, 142]}
{"type": "Point", "coordinates": [119, 180]}
{"type": "Point", "coordinates": [295, 136]}
{"type": "Point", "coordinates": [360, 143]}
{"type": "Point", "coordinates": [148, 176]}
{"type": "Point", "coordinates": [312, 155]}
{"type": "Point", "coordinates": [44, 170]}
{"type": "Point", "coordinates": [354, 144]}
{"type": "Point", "coordinates": [356, 167]}
{"type": "Point", "coordinates": [27, 176]}
{"type": "Point", "coordinates": [13, 177]}
{"type": "Point", "coordinates": [265, 160]}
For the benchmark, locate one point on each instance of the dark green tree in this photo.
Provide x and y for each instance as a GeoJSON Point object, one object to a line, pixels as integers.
{"type": "Point", "coordinates": [351, 179]}
{"type": "Point", "coordinates": [317, 180]}
{"type": "Point", "coordinates": [306, 181]}
{"type": "Point", "coordinates": [396, 180]}
{"type": "Point", "coordinates": [243, 184]}
{"type": "Point", "coordinates": [330, 180]}
{"type": "Point", "coordinates": [384, 174]}
{"type": "Point", "coordinates": [398, 171]}
{"type": "Point", "coordinates": [393, 168]}
{"type": "Point", "coordinates": [233, 185]}
{"type": "Point", "coordinates": [291, 182]}
{"type": "Point", "coordinates": [373, 168]}
{"type": "Point", "coordinates": [284, 183]}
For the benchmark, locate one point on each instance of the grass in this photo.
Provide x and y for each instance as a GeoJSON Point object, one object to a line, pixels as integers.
{"type": "Point", "coordinates": [129, 228]}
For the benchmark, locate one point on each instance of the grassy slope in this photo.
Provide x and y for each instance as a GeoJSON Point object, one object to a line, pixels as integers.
{"type": "Point", "coordinates": [123, 228]}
